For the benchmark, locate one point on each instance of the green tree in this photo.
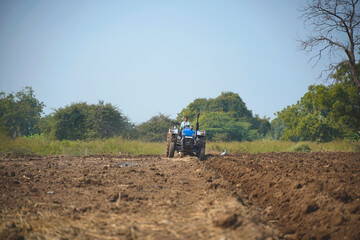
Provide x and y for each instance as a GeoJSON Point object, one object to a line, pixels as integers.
{"type": "Point", "coordinates": [277, 127]}
{"type": "Point", "coordinates": [70, 122]}
{"type": "Point", "coordinates": [83, 121]}
{"type": "Point", "coordinates": [323, 114]}
{"type": "Point", "coordinates": [230, 102]}
{"type": "Point", "coordinates": [105, 120]}
{"type": "Point", "coordinates": [221, 126]}
{"type": "Point", "coordinates": [47, 126]}
{"type": "Point", "coordinates": [261, 125]}
{"type": "Point", "coordinates": [20, 113]}
{"type": "Point", "coordinates": [198, 105]}
{"type": "Point", "coordinates": [226, 118]}
{"type": "Point", "coordinates": [156, 128]}
{"type": "Point", "coordinates": [227, 102]}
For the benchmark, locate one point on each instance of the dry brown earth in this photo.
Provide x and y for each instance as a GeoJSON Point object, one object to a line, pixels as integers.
{"type": "Point", "coordinates": [274, 196]}
{"type": "Point", "coordinates": [306, 195]}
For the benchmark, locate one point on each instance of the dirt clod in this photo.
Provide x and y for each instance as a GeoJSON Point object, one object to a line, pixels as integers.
{"type": "Point", "coordinates": [226, 220]}
{"type": "Point", "coordinates": [311, 207]}
{"type": "Point", "coordinates": [113, 197]}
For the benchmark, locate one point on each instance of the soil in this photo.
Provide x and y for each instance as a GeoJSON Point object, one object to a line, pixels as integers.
{"type": "Point", "coordinates": [305, 195]}
{"type": "Point", "coordinates": [259, 196]}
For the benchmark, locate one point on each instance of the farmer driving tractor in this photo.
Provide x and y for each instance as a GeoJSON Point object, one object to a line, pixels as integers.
{"type": "Point", "coordinates": [186, 140]}
{"type": "Point", "coordinates": [185, 123]}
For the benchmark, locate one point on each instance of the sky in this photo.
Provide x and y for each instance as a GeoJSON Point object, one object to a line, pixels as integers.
{"type": "Point", "coordinates": [149, 57]}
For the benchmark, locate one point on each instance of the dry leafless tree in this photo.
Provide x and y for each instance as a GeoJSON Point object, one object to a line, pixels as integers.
{"type": "Point", "coordinates": [335, 28]}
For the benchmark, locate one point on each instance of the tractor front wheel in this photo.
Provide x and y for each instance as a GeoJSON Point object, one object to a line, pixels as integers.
{"type": "Point", "coordinates": [167, 149]}
{"type": "Point", "coordinates": [202, 154]}
{"type": "Point", "coordinates": [171, 150]}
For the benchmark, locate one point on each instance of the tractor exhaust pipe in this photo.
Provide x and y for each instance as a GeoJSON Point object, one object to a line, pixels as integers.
{"type": "Point", "coordinates": [197, 124]}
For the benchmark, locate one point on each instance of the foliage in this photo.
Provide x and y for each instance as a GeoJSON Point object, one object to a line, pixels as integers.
{"type": "Point", "coordinates": [261, 125]}
{"type": "Point", "coordinates": [276, 128]}
{"type": "Point", "coordinates": [343, 72]}
{"type": "Point", "coordinates": [301, 147]}
{"type": "Point", "coordinates": [227, 102]}
{"type": "Point", "coordinates": [20, 113]}
{"type": "Point", "coordinates": [226, 118]}
{"type": "Point", "coordinates": [83, 121]}
{"type": "Point", "coordinates": [324, 113]}
{"type": "Point", "coordinates": [223, 126]}
{"type": "Point", "coordinates": [155, 129]}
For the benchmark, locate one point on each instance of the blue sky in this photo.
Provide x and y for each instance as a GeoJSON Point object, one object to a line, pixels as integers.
{"type": "Point", "coordinates": [147, 57]}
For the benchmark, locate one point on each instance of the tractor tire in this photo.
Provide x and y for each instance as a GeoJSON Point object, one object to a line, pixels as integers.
{"type": "Point", "coordinates": [168, 142]}
{"type": "Point", "coordinates": [202, 154]}
{"type": "Point", "coordinates": [171, 150]}
{"type": "Point", "coordinates": [167, 149]}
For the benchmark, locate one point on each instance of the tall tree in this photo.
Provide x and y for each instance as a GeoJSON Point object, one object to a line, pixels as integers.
{"type": "Point", "coordinates": [83, 121]}
{"type": "Point", "coordinates": [222, 126]}
{"type": "Point", "coordinates": [324, 113]}
{"type": "Point", "coordinates": [335, 27]}
{"type": "Point", "coordinates": [156, 128]}
{"type": "Point", "coordinates": [20, 113]}
{"type": "Point", "coordinates": [227, 102]}
{"type": "Point", "coordinates": [226, 118]}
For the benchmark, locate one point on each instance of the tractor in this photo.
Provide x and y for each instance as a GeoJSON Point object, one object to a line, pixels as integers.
{"type": "Point", "coordinates": [186, 141]}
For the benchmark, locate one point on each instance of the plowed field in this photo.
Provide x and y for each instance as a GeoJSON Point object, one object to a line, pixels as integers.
{"type": "Point", "coordinates": [259, 196]}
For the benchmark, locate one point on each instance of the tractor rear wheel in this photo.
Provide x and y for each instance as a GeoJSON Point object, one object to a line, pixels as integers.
{"type": "Point", "coordinates": [171, 150]}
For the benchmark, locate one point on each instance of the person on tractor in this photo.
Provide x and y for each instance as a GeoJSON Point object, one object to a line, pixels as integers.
{"type": "Point", "coordinates": [185, 123]}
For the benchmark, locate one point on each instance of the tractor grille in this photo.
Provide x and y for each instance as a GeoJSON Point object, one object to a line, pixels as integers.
{"type": "Point", "coordinates": [188, 142]}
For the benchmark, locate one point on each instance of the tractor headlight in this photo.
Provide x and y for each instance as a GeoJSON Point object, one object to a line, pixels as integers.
{"type": "Point", "coordinates": [174, 131]}
{"type": "Point", "coordinates": [201, 133]}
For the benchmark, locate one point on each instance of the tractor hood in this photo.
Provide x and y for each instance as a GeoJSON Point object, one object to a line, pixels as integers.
{"type": "Point", "coordinates": [188, 132]}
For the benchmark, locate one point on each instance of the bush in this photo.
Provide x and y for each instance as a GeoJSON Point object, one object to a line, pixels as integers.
{"type": "Point", "coordinates": [354, 137]}
{"type": "Point", "coordinates": [17, 152]}
{"type": "Point", "coordinates": [301, 147]}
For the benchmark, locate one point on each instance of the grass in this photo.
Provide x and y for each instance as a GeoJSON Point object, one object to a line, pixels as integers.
{"type": "Point", "coordinates": [42, 146]}
{"type": "Point", "coordinates": [281, 146]}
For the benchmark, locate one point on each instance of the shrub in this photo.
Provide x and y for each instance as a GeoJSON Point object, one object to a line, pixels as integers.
{"type": "Point", "coordinates": [301, 147]}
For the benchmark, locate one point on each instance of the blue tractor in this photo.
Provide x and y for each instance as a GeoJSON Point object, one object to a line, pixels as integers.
{"type": "Point", "coordinates": [186, 141]}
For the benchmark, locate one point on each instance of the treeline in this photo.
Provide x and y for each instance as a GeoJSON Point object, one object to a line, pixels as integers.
{"type": "Point", "coordinates": [20, 115]}
{"type": "Point", "coordinates": [323, 114]}
{"type": "Point", "coordinates": [225, 118]}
